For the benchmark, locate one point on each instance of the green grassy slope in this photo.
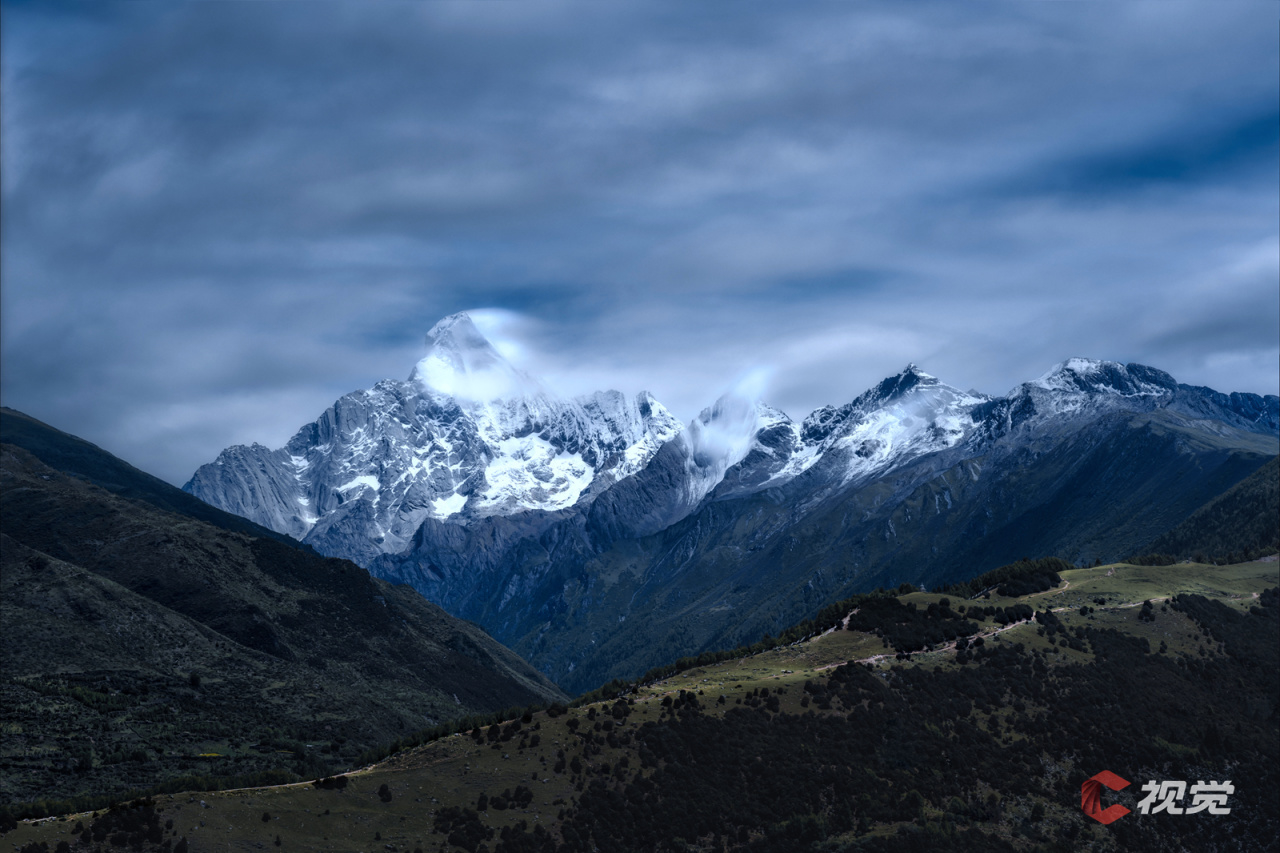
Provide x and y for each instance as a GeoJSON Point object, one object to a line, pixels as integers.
{"type": "Point", "coordinates": [842, 743]}
{"type": "Point", "coordinates": [139, 646]}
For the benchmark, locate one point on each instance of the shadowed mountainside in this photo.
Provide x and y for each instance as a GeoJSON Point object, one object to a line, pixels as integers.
{"type": "Point", "coordinates": [1244, 521]}
{"type": "Point", "coordinates": [75, 456]}
{"type": "Point", "coordinates": [586, 607]}
{"type": "Point", "coordinates": [140, 645]}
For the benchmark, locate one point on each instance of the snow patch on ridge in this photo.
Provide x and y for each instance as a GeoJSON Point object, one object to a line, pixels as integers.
{"type": "Point", "coordinates": [1077, 376]}
{"type": "Point", "coordinates": [531, 473]}
{"type": "Point", "coordinates": [904, 416]}
{"type": "Point", "coordinates": [927, 419]}
{"type": "Point", "coordinates": [447, 506]}
{"type": "Point", "coordinates": [365, 481]}
{"type": "Point", "coordinates": [721, 437]}
{"type": "Point", "coordinates": [1063, 375]}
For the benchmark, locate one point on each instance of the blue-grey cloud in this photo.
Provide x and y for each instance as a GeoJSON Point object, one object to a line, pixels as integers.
{"type": "Point", "coordinates": [1213, 149]}
{"type": "Point", "coordinates": [219, 216]}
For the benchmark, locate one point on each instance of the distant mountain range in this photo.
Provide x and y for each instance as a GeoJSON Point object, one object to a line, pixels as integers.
{"type": "Point", "coordinates": [597, 536]}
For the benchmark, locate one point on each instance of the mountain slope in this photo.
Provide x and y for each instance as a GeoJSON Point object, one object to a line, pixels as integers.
{"type": "Point", "coordinates": [136, 640]}
{"type": "Point", "coordinates": [913, 481]}
{"type": "Point", "coordinates": [1243, 519]}
{"type": "Point", "coordinates": [839, 743]}
{"type": "Point", "coordinates": [77, 457]}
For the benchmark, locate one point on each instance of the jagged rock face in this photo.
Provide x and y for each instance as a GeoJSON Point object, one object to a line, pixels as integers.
{"type": "Point", "coordinates": [361, 480]}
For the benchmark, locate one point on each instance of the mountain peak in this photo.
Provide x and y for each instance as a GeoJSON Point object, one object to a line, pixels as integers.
{"type": "Point", "coordinates": [1079, 366]}
{"type": "Point", "coordinates": [456, 339]}
{"type": "Point", "coordinates": [456, 326]}
{"type": "Point", "coordinates": [895, 386]}
{"type": "Point", "coordinates": [1095, 376]}
{"type": "Point", "coordinates": [909, 377]}
{"type": "Point", "coordinates": [461, 362]}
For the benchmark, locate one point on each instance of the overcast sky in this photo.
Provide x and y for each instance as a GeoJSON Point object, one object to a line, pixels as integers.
{"type": "Point", "coordinates": [218, 217]}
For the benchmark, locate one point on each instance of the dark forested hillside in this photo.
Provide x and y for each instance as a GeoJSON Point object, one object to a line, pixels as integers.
{"type": "Point", "coordinates": [954, 755]}
{"type": "Point", "coordinates": [78, 458]}
{"type": "Point", "coordinates": [927, 723]}
{"type": "Point", "coordinates": [141, 647]}
{"type": "Point", "coordinates": [1240, 524]}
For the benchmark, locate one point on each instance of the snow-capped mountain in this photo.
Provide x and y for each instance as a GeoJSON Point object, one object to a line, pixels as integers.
{"type": "Point", "coordinates": [466, 436]}
{"type": "Point", "coordinates": [739, 445]}
{"type": "Point", "coordinates": [913, 414]}
{"type": "Point", "coordinates": [749, 519]}
{"type": "Point", "coordinates": [903, 417]}
{"type": "Point", "coordinates": [597, 535]}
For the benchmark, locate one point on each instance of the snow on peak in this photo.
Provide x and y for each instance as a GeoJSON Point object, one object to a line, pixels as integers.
{"type": "Point", "coordinates": [1084, 365]}
{"type": "Point", "coordinates": [1089, 376]}
{"type": "Point", "coordinates": [462, 363]}
{"type": "Point", "coordinates": [912, 370]}
{"type": "Point", "coordinates": [721, 436]}
{"type": "Point", "coordinates": [1065, 374]}
{"type": "Point", "coordinates": [459, 327]}
{"type": "Point", "coordinates": [657, 419]}
{"type": "Point", "coordinates": [893, 387]}
{"type": "Point", "coordinates": [901, 417]}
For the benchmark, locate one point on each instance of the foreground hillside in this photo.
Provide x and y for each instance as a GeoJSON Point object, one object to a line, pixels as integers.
{"type": "Point", "coordinates": [840, 742]}
{"type": "Point", "coordinates": [75, 456]}
{"type": "Point", "coordinates": [145, 648]}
